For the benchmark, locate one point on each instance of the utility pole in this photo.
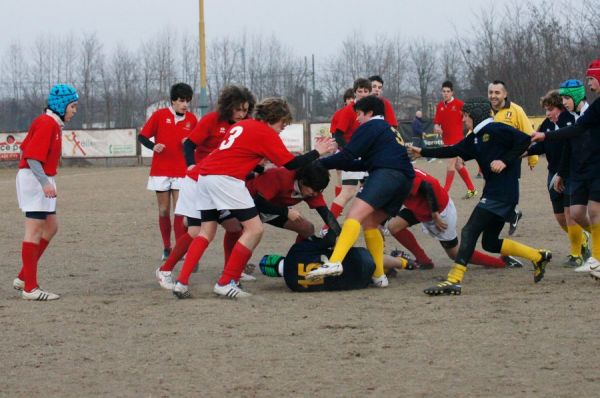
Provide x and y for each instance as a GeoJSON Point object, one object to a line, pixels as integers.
{"type": "Point", "coordinates": [312, 100]}
{"type": "Point", "coordinates": [202, 42]}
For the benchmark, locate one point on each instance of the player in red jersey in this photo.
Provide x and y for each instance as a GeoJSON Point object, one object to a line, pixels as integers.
{"type": "Point", "coordinates": [277, 189]}
{"type": "Point", "coordinates": [448, 122]}
{"type": "Point", "coordinates": [348, 99]}
{"type": "Point", "coordinates": [234, 104]}
{"type": "Point", "coordinates": [377, 90]}
{"type": "Point", "coordinates": [428, 204]}
{"type": "Point", "coordinates": [169, 127]}
{"type": "Point", "coordinates": [345, 126]}
{"type": "Point", "coordinates": [221, 187]}
{"type": "Point", "coordinates": [36, 188]}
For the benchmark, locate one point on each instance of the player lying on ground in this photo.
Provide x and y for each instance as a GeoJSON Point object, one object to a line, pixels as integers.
{"type": "Point", "coordinates": [430, 205]}
{"type": "Point", "coordinates": [375, 148]}
{"type": "Point", "coordinates": [36, 188]}
{"type": "Point", "coordinates": [497, 148]}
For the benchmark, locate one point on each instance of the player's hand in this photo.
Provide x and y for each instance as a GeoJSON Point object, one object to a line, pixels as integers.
{"type": "Point", "coordinates": [532, 161]}
{"type": "Point", "coordinates": [439, 222]}
{"type": "Point", "coordinates": [327, 145]}
{"type": "Point", "coordinates": [49, 191]}
{"type": "Point", "coordinates": [559, 184]}
{"type": "Point", "coordinates": [497, 166]}
{"type": "Point", "coordinates": [538, 137]}
{"type": "Point", "coordinates": [413, 151]}
{"type": "Point", "coordinates": [437, 129]}
{"type": "Point", "coordinates": [191, 166]}
{"type": "Point", "coordinates": [158, 148]}
{"type": "Point", "coordinates": [294, 215]}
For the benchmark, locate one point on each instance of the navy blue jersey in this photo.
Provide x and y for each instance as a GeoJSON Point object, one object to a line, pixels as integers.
{"type": "Point", "coordinates": [307, 255]}
{"type": "Point", "coordinates": [552, 149]}
{"type": "Point", "coordinates": [492, 141]}
{"type": "Point", "coordinates": [373, 145]}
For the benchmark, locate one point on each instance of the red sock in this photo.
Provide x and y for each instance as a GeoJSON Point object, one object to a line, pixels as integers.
{"type": "Point", "coordinates": [408, 240]}
{"type": "Point", "coordinates": [337, 190]}
{"type": "Point", "coordinates": [178, 226]}
{"type": "Point", "coordinates": [479, 258]}
{"type": "Point", "coordinates": [466, 177]}
{"type": "Point", "coordinates": [181, 246]}
{"type": "Point", "coordinates": [194, 253]}
{"type": "Point", "coordinates": [229, 241]}
{"type": "Point", "coordinates": [29, 255]}
{"type": "Point", "coordinates": [234, 267]}
{"type": "Point", "coordinates": [299, 238]}
{"type": "Point", "coordinates": [41, 248]}
{"type": "Point", "coordinates": [449, 179]}
{"type": "Point", "coordinates": [164, 223]}
{"type": "Point", "coordinates": [336, 210]}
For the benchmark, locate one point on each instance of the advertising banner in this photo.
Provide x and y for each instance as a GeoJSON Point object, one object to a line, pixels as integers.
{"type": "Point", "coordinates": [98, 143]}
{"type": "Point", "coordinates": [9, 145]}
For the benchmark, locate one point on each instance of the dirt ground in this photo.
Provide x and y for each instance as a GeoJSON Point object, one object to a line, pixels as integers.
{"type": "Point", "coordinates": [114, 332]}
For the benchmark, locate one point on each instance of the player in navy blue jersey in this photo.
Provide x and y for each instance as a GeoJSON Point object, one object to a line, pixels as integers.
{"type": "Point", "coordinates": [497, 147]}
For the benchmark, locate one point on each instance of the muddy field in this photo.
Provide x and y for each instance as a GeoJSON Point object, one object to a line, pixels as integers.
{"type": "Point", "coordinates": [114, 332]}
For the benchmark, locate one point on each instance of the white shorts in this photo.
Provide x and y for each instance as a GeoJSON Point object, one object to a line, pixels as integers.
{"type": "Point", "coordinates": [222, 193]}
{"type": "Point", "coordinates": [30, 194]}
{"type": "Point", "coordinates": [449, 216]}
{"type": "Point", "coordinates": [163, 184]}
{"type": "Point", "coordinates": [353, 175]}
{"type": "Point", "coordinates": [186, 203]}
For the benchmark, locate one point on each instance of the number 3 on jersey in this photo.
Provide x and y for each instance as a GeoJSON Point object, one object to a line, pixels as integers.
{"type": "Point", "coordinates": [233, 134]}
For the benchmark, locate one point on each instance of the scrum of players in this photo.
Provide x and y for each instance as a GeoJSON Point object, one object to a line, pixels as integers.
{"type": "Point", "coordinates": [230, 169]}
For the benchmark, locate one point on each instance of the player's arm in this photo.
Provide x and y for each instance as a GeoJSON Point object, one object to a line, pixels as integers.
{"type": "Point", "coordinates": [536, 149]}
{"type": "Point", "coordinates": [426, 190]}
{"type": "Point", "coordinates": [565, 161]}
{"type": "Point", "coordinates": [266, 207]}
{"type": "Point", "coordinates": [148, 131]}
{"type": "Point", "coordinates": [451, 151]}
{"type": "Point", "coordinates": [189, 151]}
{"type": "Point", "coordinates": [518, 141]}
{"type": "Point", "coordinates": [334, 227]}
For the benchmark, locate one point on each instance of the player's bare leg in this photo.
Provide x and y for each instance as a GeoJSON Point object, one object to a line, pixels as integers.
{"type": "Point", "coordinates": [164, 220]}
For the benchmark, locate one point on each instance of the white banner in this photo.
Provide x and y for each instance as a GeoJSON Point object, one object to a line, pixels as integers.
{"type": "Point", "coordinates": [98, 143]}
{"type": "Point", "coordinates": [318, 130]}
{"type": "Point", "coordinates": [293, 137]}
{"type": "Point", "coordinates": [10, 144]}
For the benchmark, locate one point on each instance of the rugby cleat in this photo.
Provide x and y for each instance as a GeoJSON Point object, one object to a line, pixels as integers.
{"type": "Point", "coordinates": [573, 261]}
{"type": "Point", "coordinates": [165, 279]}
{"type": "Point", "coordinates": [595, 268]}
{"type": "Point", "coordinates": [539, 267]}
{"type": "Point", "coordinates": [38, 294]}
{"type": "Point", "coordinates": [327, 269]}
{"type": "Point", "coordinates": [514, 221]}
{"type": "Point", "coordinates": [444, 288]}
{"type": "Point", "coordinates": [587, 265]}
{"type": "Point", "coordinates": [231, 290]}
{"type": "Point", "coordinates": [511, 262]}
{"type": "Point", "coordinates": [18, 284]}
{"type": "Point", "coordinates": [181, 291]}
{"type": "Point", "coordinates": [470, 194]}
{"type": "Point", "coordinates": [381, 281]}
{"type": "Point", "coordinates": [586, 249]}
{"type": "Point", "coordinates": [247, 277]}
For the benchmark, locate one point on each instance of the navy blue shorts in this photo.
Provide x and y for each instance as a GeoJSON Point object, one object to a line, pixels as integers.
{"type": "Point", "coordinates": [502, 209]}
{"type": "Point", "coordinates": [386, 189]}
{"type": "Point", "coordinates": [582, 191]}
{"type": "Point", "coordinates": [559, 200]}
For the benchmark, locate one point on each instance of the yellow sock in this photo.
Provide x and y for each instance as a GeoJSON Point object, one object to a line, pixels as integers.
{"type": "Point", "coordinates": [576, 239]}
{"type": "Point", "coordinates": [348, 236]}
{"type": "Point", "coordinates": [596, 241]}
{"type": "Point", "coordinates": [513, 248]}
{"type": "Point", "coordinates": [374, 242]}
{"type": "Point", "coordinates": [457, 273]}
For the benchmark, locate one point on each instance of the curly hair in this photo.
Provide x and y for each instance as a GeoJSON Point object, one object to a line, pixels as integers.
{"type": "Point", "coordinates": [552, 99]}
{"type": "Point", "coordinates": [272, 110]}
{"type": "Point", "coordinates": [232, 97]}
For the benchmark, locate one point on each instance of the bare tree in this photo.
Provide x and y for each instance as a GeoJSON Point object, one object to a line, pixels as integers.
{"type": "Point", "coordinates": [422, 57]}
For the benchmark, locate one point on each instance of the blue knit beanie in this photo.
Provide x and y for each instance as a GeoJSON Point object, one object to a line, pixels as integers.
{"type": "Point", "coordinates": [61, 95]}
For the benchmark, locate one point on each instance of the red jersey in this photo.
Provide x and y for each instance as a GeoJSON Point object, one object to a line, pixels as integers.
{"type": "Point", "coordinates": [278, 186]}
{"type": "Point", "coordinates": [208, 134]}
{"type": "Point", "coordinates": [449, 117]}
{"type": "Point", "coordinates": [334, 121]}
{"type": "Point", "coordinates": [245, 145]}
{"type": "Point", "coordinates": [417, 203]}
{"type": "Point", "coordinates": [346, 121]}
{"type": "Point", "coordinates": [42, 143]}
{"type": "Point", "coordinates": [165, 130]}
{"type": "Point", "coordinates": [389, 114]}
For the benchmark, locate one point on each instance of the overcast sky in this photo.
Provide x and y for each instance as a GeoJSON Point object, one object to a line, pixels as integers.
{"type": "Point", "coordinates": [306, 26]}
